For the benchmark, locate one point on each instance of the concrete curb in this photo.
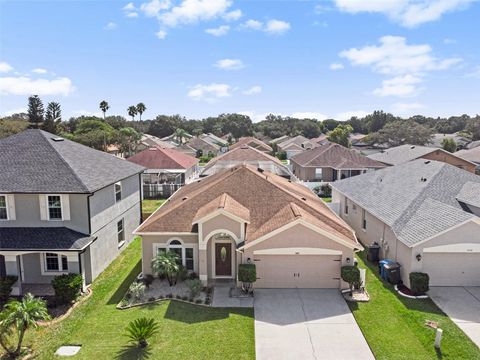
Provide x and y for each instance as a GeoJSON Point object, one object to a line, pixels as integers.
{"type": "Point", "coordinates": [410, 296]}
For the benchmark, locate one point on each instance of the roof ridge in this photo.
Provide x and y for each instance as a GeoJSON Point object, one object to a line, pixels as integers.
{"type": "Point", "coordinates": [324, 147]}
{"type": "Point", "coordinates": [223, 200]}
{"type": "Point", "coordinates": [295, 210]}
{"type": "Point", "coordinates": [43, 133]}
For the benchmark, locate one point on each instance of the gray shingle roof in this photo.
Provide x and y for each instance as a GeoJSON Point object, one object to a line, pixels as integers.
{"type": "Point", "coordinates": [401, 154]}
{"type": "Point", "coordinates": [42, 238]}
{"type": "Point", "coordinates": [417, 199]}
{"type": "Point", "coordinates": [470, 194]}
{"type": "Point", "coordinates": [33, 162]}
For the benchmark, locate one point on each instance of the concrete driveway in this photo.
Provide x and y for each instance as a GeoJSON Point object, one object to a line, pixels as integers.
{"type": "Point", "coordinates": [306, 324]}
{"type": "Point", "coordinates": [462, 305]}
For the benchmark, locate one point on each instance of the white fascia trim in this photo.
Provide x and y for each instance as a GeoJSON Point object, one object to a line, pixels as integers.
{"type": "Point", "coordinates": [466, 248]}
{"type": "Point", "coordinates": [308, 225]}
{"type": "Point", "coordinates": [220, 212]}
{"type": "Point", "coordinates": [297, 251]}
{"type": "Point", "coordinates": [163, 233]}
{"type": "Point", "coordinates": [442, 232]}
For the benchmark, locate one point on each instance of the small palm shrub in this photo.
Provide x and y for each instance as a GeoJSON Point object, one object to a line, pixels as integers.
{"type": "Point", "coordinates": [165, 264]}
{"type": "Point", "coordinates": [17, 317]}
{"type": "Point", "coordinates": [194, 287]}
{"type": "Point", "coordinates": [136, 291]}
{"type": "Point", "coordinates": [140, 330]}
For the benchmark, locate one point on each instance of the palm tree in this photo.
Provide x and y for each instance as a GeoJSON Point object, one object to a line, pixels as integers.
{"type": "Point", "coordinates": [166, 264]}
{"type": "Point", "coordinates": [104, 107]}
{"type": "Point", "coordinates": [141, 329]}
{"type": "Point", "coordinates": [180, 135]}
{"type": "Point", "coordinates": [141, 109]}
{"type": "Point", "coordinates": [18, 316]}
{"type": "Point", "coordinates": [132, 111]}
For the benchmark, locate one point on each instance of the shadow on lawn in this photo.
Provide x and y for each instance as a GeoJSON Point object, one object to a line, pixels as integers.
{"type": "Point", "coordinates": [123, 287]}
{"type": "Point", "coordinates": [191, 314]}
{"type": "Point", "coordinates": [424, 305]}
{"type": "Point", "coordinates": [130, 352]}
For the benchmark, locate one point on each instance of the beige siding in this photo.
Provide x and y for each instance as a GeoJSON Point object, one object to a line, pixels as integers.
{"type": "Point", "coordinates": [221, 222]}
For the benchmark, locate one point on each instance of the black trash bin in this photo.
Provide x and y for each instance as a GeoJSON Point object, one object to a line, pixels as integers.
{"type": "Point", "coordinates": [373, 252]}
{"type": "Point", "coordinates": [392, 273]}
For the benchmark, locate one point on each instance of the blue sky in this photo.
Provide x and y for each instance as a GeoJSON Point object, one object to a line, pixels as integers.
{"type": "Point", "coordinates": [201, 58]}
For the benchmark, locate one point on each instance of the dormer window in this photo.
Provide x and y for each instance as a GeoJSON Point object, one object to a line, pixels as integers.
{"type": "Point", "coordinates": [54, 203]}
{"type": "Point", "coordinates": [118, 191]}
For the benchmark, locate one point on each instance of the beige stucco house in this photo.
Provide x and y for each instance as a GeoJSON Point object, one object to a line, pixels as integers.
{"type": "Point", "coordinates": [424, 215]}
{"type": "Point", "coordinates": [243, 215]}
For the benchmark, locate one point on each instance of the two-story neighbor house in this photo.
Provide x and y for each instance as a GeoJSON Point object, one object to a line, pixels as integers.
{"type": "Point", "coordinates": [64, 208]}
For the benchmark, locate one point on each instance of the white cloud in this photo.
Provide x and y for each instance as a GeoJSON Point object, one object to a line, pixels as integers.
{"type": "Point", "coordinates": [130, 10]}
{"type": "Point", "coordinates": [233, 15]}
{"type": "Point", "coordinates": [193, 11]}
{"type": "Point", "coordinates": [409, 13]}
{"type": "Point", "coordinates": [5, 67]}
{"type": "Point", "coordinates": [403, 85]}
{"type": "Point", "coordinates": [336, 66]}
{"type": "Point", "coordinates": [210, 93]}
{"type": "Point", "coordinates": [110, 26]}
{"type": "Point", "coordinates": [220, 31]}
{"type": "Point", "coordinates": [256, 117]}
{"type": "Point", "coordinates": [449, 41]}
{"type": "Point", "coordinates": [39, 71]}
{"type": "Point", "coordinates": [406, 109]}
{"type": "Point", "coordinates": [309, 115]}
{"type": "Point", "coordinates": [161, 34]}
{"type": "Point", "coordinates": [343, 116]}
{"type": "Point", "coordinates": [257, 89]}
{"type": "Point", "coordinates": [229, 64]}
{"type": "Point", "coordinates": [15, 111]}
{"type": "Point", "coordinates": [24, 85]}
{"type": "Point", "coordinates": [273, 27]}
{"type": "Point", "coordinates": [153, 7]}
{"type": "Point", "coordinates": [394, 57]}
{"type": "Point", "coordinates": [277, 27]}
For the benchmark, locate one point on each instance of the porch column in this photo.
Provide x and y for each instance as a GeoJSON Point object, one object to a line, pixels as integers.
{"type": "Point", "coordinates": [12, 269]}
{"type": "Point", "coordinates": [202, 263]}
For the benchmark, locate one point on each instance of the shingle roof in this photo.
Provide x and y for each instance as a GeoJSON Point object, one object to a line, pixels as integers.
{"type": "Point", "coordinates": [42, 238]}
{"type": "Point", "coordinates": [472, 155]}
{"type": "Point", "coordinates": [417, 199]}
{"type": "Point", "coordinates": [298, 140]}
{"type": "Point", "coordinates": [253, 142]}
{"type": "Point", "coordinates": [264, 195]}
{"type": "Point", "coordinates": [335, 156]}
{"type": "Point", "coordinates": [198, 143]}
{"type": "Point", "coordinates": [246, 155]}
{"type": "Point", "coordinates": [157, 157]}
{"type": "Point", "coordinates": [401, 154]}
{"type": "Point", "coordinates": [37, 162]}
{"type": "Point", "coordinates": [470, 194]}
{"type": "Point", "coordinates": [224, 202]}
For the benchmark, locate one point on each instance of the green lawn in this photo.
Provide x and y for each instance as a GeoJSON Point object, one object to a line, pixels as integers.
{"type": "Point", "coordinates": [149, 206]}
{"type": "Point", "coordinates": [394, 325]}
{"type": "Point", "coordinates": [186, 331]}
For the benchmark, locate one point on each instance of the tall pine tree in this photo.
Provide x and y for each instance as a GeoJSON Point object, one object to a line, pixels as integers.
{"type": "Point", "coordinates": [53, 117]}
{"type": "Point", "coordinates": [35, 111]}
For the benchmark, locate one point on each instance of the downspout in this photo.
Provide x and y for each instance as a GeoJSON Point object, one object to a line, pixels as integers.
{"type": "Point", "coordinates": [89, 215]}
{"type": "Point", "coordinates": [140, 192]}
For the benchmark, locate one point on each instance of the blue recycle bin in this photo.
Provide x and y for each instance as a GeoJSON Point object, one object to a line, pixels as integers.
{"type": "Point", "coordinates": [381, 267]}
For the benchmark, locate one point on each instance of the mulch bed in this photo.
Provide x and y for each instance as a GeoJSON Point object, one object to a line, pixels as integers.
{"type": "Point", "coordinates": [406, 291]}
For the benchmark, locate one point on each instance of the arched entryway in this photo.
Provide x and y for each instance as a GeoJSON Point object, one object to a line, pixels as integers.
{"type": "Point", "coordinates": [221, 254]}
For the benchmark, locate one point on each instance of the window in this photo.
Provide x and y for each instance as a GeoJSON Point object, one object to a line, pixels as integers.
{"type": "Point", "coordinates": [176, 247]}
{"type": "Point", "coordinates": [318, 173]}
{"type": "Point", "coordinates": [346, 206]}
{"type": "Point", "coordinates": [55, 262]}
{"type": "Point", "coordinates": [189, 258]}
{"type": "Point", "coordinates": [120, 232]}
{"type": "Point", "coordinates": [185, 255]}
{"type": "Point", "coordinates": [3, 208]}
{"type": "Point", "coordinates": [118, 191]}
{"type": "Point", "coordinates": [54, 203]}
{"type": "Point", "coordinates": [364, 220]}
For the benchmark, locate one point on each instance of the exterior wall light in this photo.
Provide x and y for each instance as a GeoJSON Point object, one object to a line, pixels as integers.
{"type": "Point", "coordinates": [419, 257]}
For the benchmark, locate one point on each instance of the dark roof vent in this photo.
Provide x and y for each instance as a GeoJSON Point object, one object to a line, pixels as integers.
{"type": "Point", "coordinates": [185, 198]}
{"type": "Point", "coordinates": [57, 139]}
{"type": "Point", "coordinates": [260, 170]}
{"type": "Point", "coordinates": [412, 147]}
{"type": "Point", "coordinates": [427, 162]}
{"type": "Point", "coordinates": [304, 199]}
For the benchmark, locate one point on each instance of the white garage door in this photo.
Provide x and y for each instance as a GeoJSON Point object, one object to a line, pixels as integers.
{"type": "Point", "coordinates": [452, 269]}
{"type": "Point", "coordinates": [298, 271]}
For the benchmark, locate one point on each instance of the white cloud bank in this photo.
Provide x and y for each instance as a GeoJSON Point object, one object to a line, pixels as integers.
{"type": "Point", "coordinates": [110, 26]}
{"type": "Point", "coordinates": [24, 85]}
{"type": "Point", "coordinates": [272, 27]}
{"type": "Point", "coordinates": [210, 92]}
{"type": "Point", "coordinates": [336, 66]}
{"type": "Point", "coordinates": [5, 67]}
{"type": "Point", "coordinates": [257, 89]}
{"type": "Point", "coordinates": [220, 31]}
{"type": "Point", "coordinates": [229, 64]}
{"type": "Point", "coordinates": [408, 13]}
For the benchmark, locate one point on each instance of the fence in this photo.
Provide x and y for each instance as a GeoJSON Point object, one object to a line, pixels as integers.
{"type": "Point", "coordinates": [159, 191]}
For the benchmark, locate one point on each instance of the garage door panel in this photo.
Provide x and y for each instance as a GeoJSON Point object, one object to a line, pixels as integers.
{"type": "Point", "coordinates": [298, 271]}
{"type": "Point", "coordinates": [452, 269]}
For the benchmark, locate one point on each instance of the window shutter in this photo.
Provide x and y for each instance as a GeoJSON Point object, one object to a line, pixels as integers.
{"type": "Point", "coordinates": [43, 207]}
{"type": "Point", "coordinates": [66, 207]}
{"type": "Point", "coordinates": [11, 207]}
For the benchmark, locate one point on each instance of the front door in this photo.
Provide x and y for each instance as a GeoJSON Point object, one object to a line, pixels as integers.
{"type": "Point", "coordinates": [223, 259]}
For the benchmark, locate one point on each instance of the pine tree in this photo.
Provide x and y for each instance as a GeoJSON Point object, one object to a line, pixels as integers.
{"type": "Point", "coordinates": [35, 111]}
{"type": "Point", "coordinates": [53, 117]}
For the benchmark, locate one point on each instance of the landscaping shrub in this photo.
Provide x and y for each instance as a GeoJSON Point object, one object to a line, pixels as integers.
{"type": "Point", "coordinates": [192, 276]}
{"type": "Point", "coordinates": [282, 155]}
{"type": "Point", "coordinates": [152, 298]}
{"type": "Point", "coordinates": [194, 287]}
{"type": "Point", "coordinates": [67, 287]}
{"type": "Point", "coordinates": [198, 301]}
{"type": "Point", "coordinates": [166, 264]}
{"type": "Point", "coordinates": [136, 291]}
{"type": "Point", "coordinates": [148, 280]}
{"type": "Point", "coordinates": [6, 284]}
{"type": "Point", "coordinates": [140, 330]}
{"type": "Point", "coordinates": [247, 274]}
{"type": "Point", "coordinates": [419, 282]}
{"type": "Point", "coordinates": [182, 273]}
{"type": "Point", "coordinates": [351, 275]}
